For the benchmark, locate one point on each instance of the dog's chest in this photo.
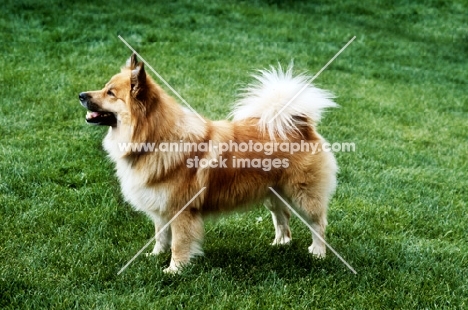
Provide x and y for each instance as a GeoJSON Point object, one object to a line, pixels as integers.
{"type": "Point", "coordinates": [153, 198]}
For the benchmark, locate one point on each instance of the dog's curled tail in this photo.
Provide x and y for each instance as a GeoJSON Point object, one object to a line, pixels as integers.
{"type": "Point", "coordinates": [282, 102]}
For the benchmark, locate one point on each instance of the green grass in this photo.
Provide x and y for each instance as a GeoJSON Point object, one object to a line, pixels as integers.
{"type": "Point", "coordinates": [399, 215]}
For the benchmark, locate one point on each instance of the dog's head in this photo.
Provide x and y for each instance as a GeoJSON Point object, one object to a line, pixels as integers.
{"type": "Point", "coordinates": [123, 96]}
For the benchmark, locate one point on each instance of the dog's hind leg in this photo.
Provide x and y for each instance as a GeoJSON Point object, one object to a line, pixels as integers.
{"type": "Point", "coordinates": [280, 214]}
{"type": "Point", "coordinates": [319, 223]}
{"type": "Point", "coordinates": [313, 208]}
{"type": "Point", "coordinates": [310, 194]}
{"type": "Point", "coordinates": [187, 236]}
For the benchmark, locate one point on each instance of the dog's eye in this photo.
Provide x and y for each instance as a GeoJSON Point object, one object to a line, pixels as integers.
{"type": "Point", "coordinates": [110, 93]}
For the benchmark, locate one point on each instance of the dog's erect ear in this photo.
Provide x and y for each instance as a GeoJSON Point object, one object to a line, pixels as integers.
{"type": "Point", "coordinates": [132, 62]}
{"type": "Point", "coordinates": [138, 79]}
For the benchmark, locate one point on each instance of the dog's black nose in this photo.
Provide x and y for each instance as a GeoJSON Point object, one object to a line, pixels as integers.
{"type": "Point", "coordinates": [83, 97]}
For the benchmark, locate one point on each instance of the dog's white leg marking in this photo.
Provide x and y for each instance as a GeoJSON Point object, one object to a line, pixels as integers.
{"type": "Point", "coordinates": [163, 237]}
{"type": "Point", "coordinates": [318, 248]}
{"type": "Point", "coordinates": [280, 215]}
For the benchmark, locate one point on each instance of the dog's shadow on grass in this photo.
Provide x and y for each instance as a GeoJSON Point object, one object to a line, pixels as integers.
{"type": "Point", "coordinates": [253, 265]}
{"type": "Point", "coordinates": [285, 261]}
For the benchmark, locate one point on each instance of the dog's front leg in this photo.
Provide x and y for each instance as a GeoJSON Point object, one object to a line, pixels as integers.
{"type": "Point", "coordinates": [163, 234]}
{"type": "Point", "coordinates": [187, 236]}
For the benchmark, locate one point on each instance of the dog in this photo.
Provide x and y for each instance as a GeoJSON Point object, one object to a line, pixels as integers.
{"type": "Point", "coordinates": [278, 109]}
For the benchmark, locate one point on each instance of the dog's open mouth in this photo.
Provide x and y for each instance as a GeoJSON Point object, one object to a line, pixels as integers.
{"type": "Point", "coordinates": [101, 118]}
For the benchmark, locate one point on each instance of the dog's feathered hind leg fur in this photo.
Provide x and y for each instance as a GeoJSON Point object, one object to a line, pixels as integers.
{"type": "Point", "coordinates": [311, 203]}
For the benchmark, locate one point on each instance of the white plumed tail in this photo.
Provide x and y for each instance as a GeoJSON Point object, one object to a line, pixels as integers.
{"type": "Point", "coordinates": [280, 100]}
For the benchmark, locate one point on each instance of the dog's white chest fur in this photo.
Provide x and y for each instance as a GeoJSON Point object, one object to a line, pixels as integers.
{"type": "Point", "coordinates": [154, 198]}
{"type": "Point", "coordinates": [138, 193]}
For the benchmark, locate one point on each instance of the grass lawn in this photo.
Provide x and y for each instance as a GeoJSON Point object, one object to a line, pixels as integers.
{"type": "Point", "coordinates": [399, 216]}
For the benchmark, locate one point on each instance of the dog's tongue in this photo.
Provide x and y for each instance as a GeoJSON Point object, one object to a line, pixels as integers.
{"type": "Point", "coordinates": [91, 115]}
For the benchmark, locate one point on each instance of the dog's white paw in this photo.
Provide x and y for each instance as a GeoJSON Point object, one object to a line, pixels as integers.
{"type": "Point", "coordinates": [175, 267]}
{"type": "Point", "coordinates": [153, 254]}
{"type": "Point", "coordinates": [172, 270]}
{"type": "Point", "coordinates": [158, 250]}
{"type": "Point", "coordinates": [284, 240]}
{"type": "Point", "coordinates": [317, 251]}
